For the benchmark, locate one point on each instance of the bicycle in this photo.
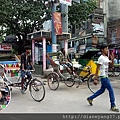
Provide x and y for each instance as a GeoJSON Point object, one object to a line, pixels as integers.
{"type": "Point", "coordinates": [35, 85]}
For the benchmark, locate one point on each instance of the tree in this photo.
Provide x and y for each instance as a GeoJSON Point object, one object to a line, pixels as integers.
{"type": "Point", "coordinates": [81, 12]}
{"type": "Point", "coordinates": [20, 17]}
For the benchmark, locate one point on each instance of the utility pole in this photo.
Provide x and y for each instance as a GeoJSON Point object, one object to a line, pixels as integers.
{"type": "Point", "coordinates": [52, 4]}
{"type": "Point", "coordinates": [64, 11]}
{"type": "Point", "coordinates": [54, 41]}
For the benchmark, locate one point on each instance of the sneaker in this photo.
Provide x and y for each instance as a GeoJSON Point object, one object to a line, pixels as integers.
{"type": "Point", "coordinates": [114, 108]}
{"type": "Point", "coordinates": [90, 101]}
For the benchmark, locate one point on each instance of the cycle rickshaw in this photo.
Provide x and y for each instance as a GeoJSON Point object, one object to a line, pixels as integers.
{"type": "Point", "coordinates": [10, 74]}
{"type": "Point", "coordinates": [59, 74]}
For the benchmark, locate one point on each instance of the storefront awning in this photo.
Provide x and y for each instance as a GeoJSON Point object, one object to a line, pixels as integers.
{"type": "Point", "coordinates": [90, 53]}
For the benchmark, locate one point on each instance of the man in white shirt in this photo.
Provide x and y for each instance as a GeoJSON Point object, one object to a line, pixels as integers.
{"type": "Point", "coordinates": [103, 63]}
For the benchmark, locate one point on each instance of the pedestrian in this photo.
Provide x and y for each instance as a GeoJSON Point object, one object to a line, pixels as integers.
{"type": "Point", "coordinates": [26, 63]}
{"type": "Point", "coordinates": [103, 64]}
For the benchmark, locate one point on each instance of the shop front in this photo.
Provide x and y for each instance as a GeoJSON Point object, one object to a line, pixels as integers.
{"type": "Point", "coordinates": [116, 52]}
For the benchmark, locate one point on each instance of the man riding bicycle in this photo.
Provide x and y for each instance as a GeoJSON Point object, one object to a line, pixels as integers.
{"type": "Point", "coordinates": [26, 63]}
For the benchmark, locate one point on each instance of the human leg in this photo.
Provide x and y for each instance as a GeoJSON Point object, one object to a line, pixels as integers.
{"type": "Point", "coordinates": [22, 81]}
{"type": "Point", "coordinates": [111, 95]}
{"type": "Point", "coordinates": [67, 68]}
{"type": "Point", "coordinates": [111, 92]}
{"type": "Point", "coordinates": [70, 67]}
{"type": "Point", "coordinates": [99, 92]}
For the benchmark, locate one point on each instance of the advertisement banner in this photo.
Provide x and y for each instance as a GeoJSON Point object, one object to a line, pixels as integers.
{"type": "Point", "coordinates": [57, 23]}
{"type": "Point", "coordinates": [67, 2]}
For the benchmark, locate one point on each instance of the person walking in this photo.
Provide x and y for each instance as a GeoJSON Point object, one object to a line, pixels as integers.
{"type": "Point", "coordinates": [103, 64]}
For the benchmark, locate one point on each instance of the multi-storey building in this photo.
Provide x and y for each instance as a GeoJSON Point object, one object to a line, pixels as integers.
{"type": "Point", "coordinates": [94, 33]}
{"type": "Point", "coordinates": [113, 26]}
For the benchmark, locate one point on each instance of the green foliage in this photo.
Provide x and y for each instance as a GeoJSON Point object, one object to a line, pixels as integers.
{"type": "Point", "coordinates": [1, 38]}
{"type": "Point", "coordinates": [21, 15]}
{"type": "Point", "coordinates": [79, 12]}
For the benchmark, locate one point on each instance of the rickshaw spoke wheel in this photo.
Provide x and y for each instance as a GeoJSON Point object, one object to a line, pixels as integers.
{"type": "Point", "coordinates": [53, 81]}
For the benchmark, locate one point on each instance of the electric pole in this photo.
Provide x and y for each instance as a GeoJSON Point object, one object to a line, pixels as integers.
{"type": "Point", "coordinates": [64, 12]}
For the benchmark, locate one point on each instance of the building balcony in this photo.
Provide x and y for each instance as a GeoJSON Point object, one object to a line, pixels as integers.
{"type": "Point", "coordinates": [98, 11]}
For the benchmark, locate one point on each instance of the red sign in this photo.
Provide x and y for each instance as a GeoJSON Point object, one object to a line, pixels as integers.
{"type": "Point", "coordinates": [6, 47]}
{"type": "Point", "coordinates": [57, 23]}
{"type": "Point", "coordinates": [66, 2]}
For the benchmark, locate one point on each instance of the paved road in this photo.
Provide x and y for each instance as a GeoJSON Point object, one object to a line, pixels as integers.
{"type": "Point", "coordinates": [63, 100]}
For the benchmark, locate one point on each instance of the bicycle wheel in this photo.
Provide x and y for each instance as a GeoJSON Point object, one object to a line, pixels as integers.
{"type": "Point", "coordinates": [37, 90]}
{"type": "Point", "coordinates": [90, 83]}
{"type": "Point", "coordinates": [69, 82]}
{"type": "Point", "coordinates": [53, 81]}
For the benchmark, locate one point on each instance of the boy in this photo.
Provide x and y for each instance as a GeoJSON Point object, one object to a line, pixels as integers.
{"type": "Point", "coordinates": [103, 63]}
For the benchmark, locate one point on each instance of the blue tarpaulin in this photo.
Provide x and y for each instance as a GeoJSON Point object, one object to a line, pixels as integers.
{"type": "Point", "coordinates": [8, 62]}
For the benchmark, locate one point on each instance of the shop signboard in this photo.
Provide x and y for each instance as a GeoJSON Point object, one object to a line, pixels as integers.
{"type": "Point", "coordinates": [5, 46]}
{"type": "Point", "coordinates": [66, 2]}
{"type": "Point", "coordinates": [71, 50]}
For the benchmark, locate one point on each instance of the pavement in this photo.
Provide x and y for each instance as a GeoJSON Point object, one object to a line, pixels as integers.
{"type": "Point", "coordinates": [115, 81]}
{"type": "Point", "coordinates": [63, 100]}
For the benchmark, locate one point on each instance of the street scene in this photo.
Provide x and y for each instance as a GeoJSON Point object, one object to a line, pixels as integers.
{"type": "Point", "coordinates": [60, 57]}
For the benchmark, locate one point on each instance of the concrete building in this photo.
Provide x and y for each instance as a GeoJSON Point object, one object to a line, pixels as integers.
{"type": "Point", "coordinates": [93, 34]}
{"type": "Point", "coordinates": [113, 22]}
{"type": "Point", "coordinates": [113, 9]}
{"type": "Point", "coordinates": [111, 14]}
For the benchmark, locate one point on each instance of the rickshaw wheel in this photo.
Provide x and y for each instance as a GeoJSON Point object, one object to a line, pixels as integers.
{"type": "Point", "coordinates": [53, 81]}
{"type": "Point", "coordinates": [69, 82]}
{"type": "Point", "coordinates": [91, 85]}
